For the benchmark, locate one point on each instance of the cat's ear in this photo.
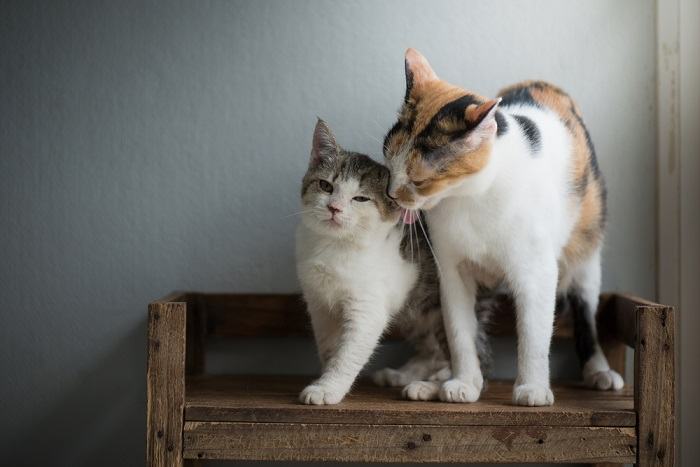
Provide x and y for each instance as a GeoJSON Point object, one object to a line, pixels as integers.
{"type": "Point", "coordinates": [481, 119]}
{"type": "Point", "coordinates": [323, 145]}
{"type": "Point", "coordinates": [418, 70]}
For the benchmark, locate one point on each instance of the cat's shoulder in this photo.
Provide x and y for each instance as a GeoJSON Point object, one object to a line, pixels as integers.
{"type": "Point", "coordinates": [544, 95]}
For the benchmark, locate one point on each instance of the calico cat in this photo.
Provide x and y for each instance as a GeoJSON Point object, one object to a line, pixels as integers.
{"type": "Point", "coordinates": [360, 271]}
{"type": "Point", "coordinates": [513, 194]}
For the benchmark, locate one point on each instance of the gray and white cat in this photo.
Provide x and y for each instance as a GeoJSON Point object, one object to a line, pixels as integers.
{"type": "Point", "coordinates": [362, 271]}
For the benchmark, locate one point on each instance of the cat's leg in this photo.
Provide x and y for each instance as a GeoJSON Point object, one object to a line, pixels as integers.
{"type": "Point", "coordinates": [534, 283]}
{"type": "Point", "coordinates": [583, 299]}
{"type": "Point", "coordinates": [326, 327]}
{"type": "Point", "coordinates": [458, 296]}
{"type": "Point", "coordinates": [363, 325]}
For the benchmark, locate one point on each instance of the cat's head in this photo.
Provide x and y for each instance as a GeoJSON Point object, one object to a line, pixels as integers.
{"type": "Point", "coordinates": [344, 193]}
{"type": "Point", "coordinates": [442, 137]}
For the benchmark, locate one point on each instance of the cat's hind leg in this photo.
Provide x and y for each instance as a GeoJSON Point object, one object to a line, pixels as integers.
{"type": "Point", "coordinates": [582, 295]}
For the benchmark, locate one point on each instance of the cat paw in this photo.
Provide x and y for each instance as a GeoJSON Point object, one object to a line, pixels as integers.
{"type": "Point", "coordinates": [421, 391]}
{"type": "Point", "coordinates": [390, 377]}
{"type": "Point", "coordinates": [315, 394]}
{"type": "Point", "coordinates": [532, 395]}
{"type": "Point", "coordinates": [455, 390]}
{"type": "Point", "coordinates": [604, 380]}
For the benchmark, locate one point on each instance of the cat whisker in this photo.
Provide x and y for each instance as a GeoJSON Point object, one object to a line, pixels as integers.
{"type": "Point", "coordinates": [297, 213]}
{"type": "Point", "coordinates": [425, 234]}
{"type": "Point", "coordinates": [415, 229]}
{"type": "Point", "coordinates": [410, 237]}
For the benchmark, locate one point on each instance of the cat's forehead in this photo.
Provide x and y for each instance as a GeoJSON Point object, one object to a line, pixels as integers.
{"type": "Point", "coordinates": [348, 185]}
{"type": "Point", "coordinates": [358, 170]}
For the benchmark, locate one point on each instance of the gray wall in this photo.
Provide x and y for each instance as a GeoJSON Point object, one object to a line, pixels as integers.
{"type": "Point", "coordinates": [152, 146]}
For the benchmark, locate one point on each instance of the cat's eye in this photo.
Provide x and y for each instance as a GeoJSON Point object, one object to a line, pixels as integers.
{"type": "Point", "coordinates": [361, 199]}
{"type": "Point", "coordinates": [325, 186]}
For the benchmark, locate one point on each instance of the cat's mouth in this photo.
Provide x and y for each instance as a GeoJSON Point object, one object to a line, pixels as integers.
{"type": "Point", "coordinates": [334, 223]}
{"type": "Point", "coordinates": [408, 216]}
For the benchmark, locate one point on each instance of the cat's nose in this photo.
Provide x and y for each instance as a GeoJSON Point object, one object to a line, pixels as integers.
{"type": "Point", "coordinates": [392, 193]}
{"type": "Point", "coordinates": [334, 208]}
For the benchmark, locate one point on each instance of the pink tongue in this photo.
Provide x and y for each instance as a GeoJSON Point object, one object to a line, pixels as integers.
{"type": "Point", "coordinates": [408, 217]}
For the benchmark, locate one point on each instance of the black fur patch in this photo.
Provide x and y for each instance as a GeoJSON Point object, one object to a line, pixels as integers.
{"type": "Point", "coordinates": [519, 96]}
{"type": "Point", "coordinates": [453, 111]}
{"type": "Point", "coordinates": [532, 133]}
{"type": "Point", "coordinates": [409, 81]}
{"type": "Point", "coordinates": [583, 329]}
{"type": "Point", "coordinates": [501, 124]}
{"type": "Point", "coordinates": [394, 129]}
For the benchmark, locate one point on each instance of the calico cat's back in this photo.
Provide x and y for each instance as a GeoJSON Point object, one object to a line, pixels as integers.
{"type": "Point", "coordinates": [587, 186]}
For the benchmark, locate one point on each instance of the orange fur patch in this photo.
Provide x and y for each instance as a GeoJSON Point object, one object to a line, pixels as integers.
{"type": "Point", "coordinates": [430, 182]}
{"type": "Point", "coordinates": [588, 231]}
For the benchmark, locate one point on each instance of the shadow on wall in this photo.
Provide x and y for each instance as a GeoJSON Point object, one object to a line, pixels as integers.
{"type": "Point", "coordinates": [102, 417]}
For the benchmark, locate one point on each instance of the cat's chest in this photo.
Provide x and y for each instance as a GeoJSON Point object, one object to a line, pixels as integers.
{"type": "Point", "coordinates": [457, 226]}
{"type": "Point", "coordinates": [336, 273]}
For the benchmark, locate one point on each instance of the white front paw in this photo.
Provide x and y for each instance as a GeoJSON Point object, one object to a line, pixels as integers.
{"type": "Point", "coordinates": [455, 390]}
{"type": "Point", "coordinates": [317, 394]}
{"type": "Point", "coordinates": [604, 380]}
{"type": "Point", "coordinates": [390, 377]}
{"type": "Point", "coordinates": [532, 395]}
{"type": "Point", "coordinates": [421, 391]}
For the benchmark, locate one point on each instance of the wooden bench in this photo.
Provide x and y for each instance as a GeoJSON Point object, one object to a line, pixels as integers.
{"type": "Point", "coordinates": [192, 416]}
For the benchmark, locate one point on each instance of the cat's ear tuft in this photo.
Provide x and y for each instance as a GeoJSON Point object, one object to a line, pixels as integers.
{"type": "Point", "coordinates": [418, 70]}
{"type": "Point", "coordinates": [486, 112]}
{"type": "Point", "coordinates": [481, 119]}
{"type": "Point", "coordinates": [323, 145]}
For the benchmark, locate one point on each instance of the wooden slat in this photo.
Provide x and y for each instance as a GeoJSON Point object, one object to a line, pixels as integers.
{"type": "Point", "coordinates": [284, 315]}
{"type": "Point", "coordinates": [165, 376]}
{"type": "Point", "coordinates": [623, 319]}
{"type": "Point", "coordinates": [274, 399]}
{"type": "Point", "coordinates": [196, 336]}
{"type": "Point", "coordinates": [255, 315]}
{"type": "Point", "coordinates": [406, 443]}
{"type": "Point", "coordinates": [655, 385]}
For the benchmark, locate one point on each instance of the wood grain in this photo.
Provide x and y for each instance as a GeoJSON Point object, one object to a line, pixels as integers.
{"type": "Point", "coordinates": [655, 385]}
{"type": "Point", "coordinates": [622, 320]}
{"type": "Point", "coordinates": [196, 336]}
{"type": "Point", "coordinates": [165, 376]}
{"type": "Point", "coordinates": [274, 399]}
{"type": "Point", "coordinates": [284, 315]}
{"type": "Point", "coordinates": [406, 443]}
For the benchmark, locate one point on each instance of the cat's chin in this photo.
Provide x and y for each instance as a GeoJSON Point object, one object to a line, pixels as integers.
{"type": "Point", "coordinates": [327, 227]}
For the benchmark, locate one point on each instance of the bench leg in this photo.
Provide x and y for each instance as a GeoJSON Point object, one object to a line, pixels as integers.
{"type": "Point", "coordinates": [654, 398]}
{"type": "Point", "coordinates": [166, 384]}
{"type": "Point", "coordinates": [615, 352]}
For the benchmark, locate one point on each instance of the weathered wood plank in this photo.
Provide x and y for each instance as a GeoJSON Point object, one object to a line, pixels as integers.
{"type": "Point", "coordinates": [406, 443]}
{"type": "Point", "coordinates": [274, 399]}
{"type": "Point", "coordinates": [655, 385]}
{"type": "Point", "coordinates": [165, 376]}
{"type": "Point", "coordinates": [284, 315]}
{"type": "Point", "coordinates": [196, 336]}
{"type": "Point", "coordinates": [623, 319]}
